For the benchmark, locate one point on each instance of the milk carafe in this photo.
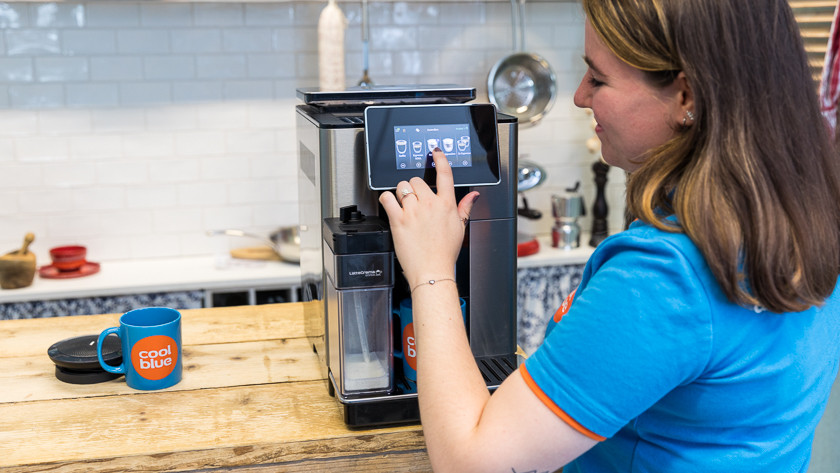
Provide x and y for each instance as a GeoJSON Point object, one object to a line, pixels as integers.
{"type": "Point", "coordinates": [359, 262]}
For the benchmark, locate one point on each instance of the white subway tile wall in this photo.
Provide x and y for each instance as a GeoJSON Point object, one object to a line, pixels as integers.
{"type": "Point", "coordinates": [134, 127]}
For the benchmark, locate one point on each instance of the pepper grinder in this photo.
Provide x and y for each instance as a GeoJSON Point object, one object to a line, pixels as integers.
{"type": "Point", "coordinates": [600, 209]}
{"type": "Point", "coordinates": [566, 209]}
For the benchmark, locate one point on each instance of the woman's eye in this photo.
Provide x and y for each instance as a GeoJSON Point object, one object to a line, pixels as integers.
{"type": "Point", "coordinates": [594, 82]}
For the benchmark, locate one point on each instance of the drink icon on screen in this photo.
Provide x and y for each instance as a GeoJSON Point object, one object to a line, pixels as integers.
{"type": "Point", "coordinates": [433, 143]}
{"type": "Point", "coordinates": [448, 144]}
{"type": "Point", "coordinates": [417, 146]}
{"type": "Point", "coordinates": [402, 146]}
{"type": "Point", "coordinates": [463, 143]}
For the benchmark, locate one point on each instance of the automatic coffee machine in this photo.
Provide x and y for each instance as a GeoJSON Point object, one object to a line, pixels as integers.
{"type": "Point", "coordinates": [352, 146]}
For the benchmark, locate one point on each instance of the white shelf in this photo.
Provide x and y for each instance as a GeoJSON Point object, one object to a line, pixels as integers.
{"type": "Point", "coordinates": [160, 275]}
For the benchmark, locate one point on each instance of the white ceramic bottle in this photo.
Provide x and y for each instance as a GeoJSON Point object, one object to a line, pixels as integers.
{"type": "Point", "coordinates": [331, 26]}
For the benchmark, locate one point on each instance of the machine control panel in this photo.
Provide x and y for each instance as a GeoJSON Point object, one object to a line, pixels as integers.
{"type": "Point", "coordinates": [399, 142]}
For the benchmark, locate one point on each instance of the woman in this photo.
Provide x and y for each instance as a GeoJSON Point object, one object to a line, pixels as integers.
{"type": "Point", "coordinates": [705, 337]}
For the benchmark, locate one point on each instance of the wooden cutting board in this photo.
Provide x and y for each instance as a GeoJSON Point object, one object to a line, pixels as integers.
{"type": "Point", "coordinates": [265, 253]}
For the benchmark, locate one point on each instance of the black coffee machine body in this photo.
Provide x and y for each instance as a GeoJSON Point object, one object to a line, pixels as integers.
{"type": "Point", "coordinates": [351, 279]}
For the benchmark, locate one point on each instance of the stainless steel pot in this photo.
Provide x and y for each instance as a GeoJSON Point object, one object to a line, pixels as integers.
{"type": "Point", "coordinates": [522, 84]}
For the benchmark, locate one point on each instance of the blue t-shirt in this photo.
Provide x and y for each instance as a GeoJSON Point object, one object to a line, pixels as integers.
{"type": "Point", "coordinates": [653, 357]}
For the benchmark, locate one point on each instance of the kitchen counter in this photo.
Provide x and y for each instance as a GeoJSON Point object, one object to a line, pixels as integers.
{"type": "Point", "coordinates": [160, 275]}
{"type": "Point", "coordinates": [252, 399]}
{"type": "Point", "coordinates": [199, 273]}
{"type": "Point", "coordinates": [548, 256]}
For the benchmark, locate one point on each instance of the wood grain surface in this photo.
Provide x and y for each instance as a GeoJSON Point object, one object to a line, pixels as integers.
{"type": "Point", "coordinates": [252, 400]}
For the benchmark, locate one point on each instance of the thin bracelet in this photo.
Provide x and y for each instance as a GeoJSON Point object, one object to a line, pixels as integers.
{"type": "Point", "coordinates": [431, 282]}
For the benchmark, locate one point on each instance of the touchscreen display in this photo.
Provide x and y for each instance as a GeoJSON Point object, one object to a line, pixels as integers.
{"type": "Point", "coordinates": [414, 144]}
{"type": "Point", "coordinates": [399, 140]}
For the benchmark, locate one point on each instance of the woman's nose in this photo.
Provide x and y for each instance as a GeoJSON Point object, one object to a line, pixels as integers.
{"type": "Point", "coordinates": [582, 94]}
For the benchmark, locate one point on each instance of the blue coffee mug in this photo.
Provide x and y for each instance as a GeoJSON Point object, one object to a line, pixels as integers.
{"type": "Point", "coordinates": [150, 339]}
{"type": "Point", "coordinates": [406, 349]}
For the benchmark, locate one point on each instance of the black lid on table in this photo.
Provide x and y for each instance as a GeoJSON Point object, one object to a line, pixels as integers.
{"type": "Point", "coordinates": [76, 361]}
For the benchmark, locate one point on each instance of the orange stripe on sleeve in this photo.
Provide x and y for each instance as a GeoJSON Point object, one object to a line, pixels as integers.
{"type": "Point", "coordinates": [555, 408]}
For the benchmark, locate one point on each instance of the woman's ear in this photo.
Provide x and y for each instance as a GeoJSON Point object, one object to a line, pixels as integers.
{"type": "Point", "coordinates": [685, 99]}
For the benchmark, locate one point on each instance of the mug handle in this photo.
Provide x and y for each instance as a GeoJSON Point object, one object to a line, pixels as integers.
{"type": "Point", "coordinates": [105, 366]}
{"type": "Point", "coordinates": [397, 353]}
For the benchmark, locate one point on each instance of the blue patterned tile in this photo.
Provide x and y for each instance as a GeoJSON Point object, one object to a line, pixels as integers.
{"type": "Point", "coordinates": [100, 305]}
{"type": "Point", "coordinates": [540, 291]}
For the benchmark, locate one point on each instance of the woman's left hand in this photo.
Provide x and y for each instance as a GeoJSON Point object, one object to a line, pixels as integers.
{"type": "Point", "coordinates": [428, 227]}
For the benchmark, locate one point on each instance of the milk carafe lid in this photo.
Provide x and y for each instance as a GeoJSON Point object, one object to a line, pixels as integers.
{"type": "Point", "coordinates": [354, 232]}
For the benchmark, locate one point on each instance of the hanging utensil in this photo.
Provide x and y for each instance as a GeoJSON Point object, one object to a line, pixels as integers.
{"type": "Point", "coordinates": [365, 82]}
{"type": "Point", "coordinates": [530, 175]}
{"type": "Point", "coordinates": [522, 84]}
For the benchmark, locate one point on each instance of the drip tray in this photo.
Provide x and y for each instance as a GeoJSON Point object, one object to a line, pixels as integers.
{"type": "Point", "coordinates": [496, 369]}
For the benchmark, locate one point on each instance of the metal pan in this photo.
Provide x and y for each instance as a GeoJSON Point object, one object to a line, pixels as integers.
{"type": "Point", "coordinates": [522, 84]}
{"type": "Point", "coordinates": [285, 243]}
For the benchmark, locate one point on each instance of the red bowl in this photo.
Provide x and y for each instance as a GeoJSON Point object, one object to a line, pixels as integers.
{"type": "Point", "coordinates": [68, 258]}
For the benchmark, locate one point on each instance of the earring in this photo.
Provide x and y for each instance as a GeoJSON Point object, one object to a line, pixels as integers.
{"type": "Point", "coordinates": [689, 115]}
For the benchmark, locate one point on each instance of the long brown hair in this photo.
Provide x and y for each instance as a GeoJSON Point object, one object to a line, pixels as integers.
{"type": "Point", "coordinates": [754, 181]}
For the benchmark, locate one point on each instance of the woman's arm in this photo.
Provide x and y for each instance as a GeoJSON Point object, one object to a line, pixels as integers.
{"type": "Point", "coordinates": [466, 429]}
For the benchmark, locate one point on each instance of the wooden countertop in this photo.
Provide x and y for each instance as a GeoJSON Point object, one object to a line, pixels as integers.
{"type": "Point", "coordinates": [252, 398]}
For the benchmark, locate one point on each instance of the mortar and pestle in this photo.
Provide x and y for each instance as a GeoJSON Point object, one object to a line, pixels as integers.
{"type": "Point", "coordinates": [17, 269]}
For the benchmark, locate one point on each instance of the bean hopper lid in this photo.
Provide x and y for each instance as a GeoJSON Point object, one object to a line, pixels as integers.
{"type": "Point", "coordinates": [76, 362]}
{"type": "Point", "coordinates": [387, 95]}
